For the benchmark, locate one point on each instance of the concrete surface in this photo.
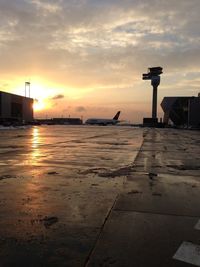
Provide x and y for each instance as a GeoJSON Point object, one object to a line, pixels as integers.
{"type": "Point", "coordinates": [142, 239]}
{"type": "Point", "coordinates": [99, 196]}
{"type": "Point", "coordinates": [158, 211]}
{"type": "Point", "coordinates": [54, 191]}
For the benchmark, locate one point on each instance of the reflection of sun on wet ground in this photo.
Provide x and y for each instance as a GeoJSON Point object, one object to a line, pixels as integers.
{"type": "Point", "coordinates": [35, 153]}
{"type": "Point", "coordinates": [34, 195]}
{"type": "Point", "coordinates": [35, 137]}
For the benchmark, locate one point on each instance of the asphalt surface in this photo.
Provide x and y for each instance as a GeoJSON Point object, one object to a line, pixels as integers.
{"type": "Point", "coordinates": [99, 196]}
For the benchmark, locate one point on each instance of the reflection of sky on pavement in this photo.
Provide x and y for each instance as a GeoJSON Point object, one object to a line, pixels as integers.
{"type": "Point", "coordinates": [55, 166]}
{"type": "Point", "coordinates": [70, 147]}
{"type": "Point", "coordinates": [55, 171]}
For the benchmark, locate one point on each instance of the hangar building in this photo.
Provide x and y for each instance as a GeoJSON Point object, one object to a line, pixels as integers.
{"type": "Point", "coordinates": [182, 110]}
{"type": "Point", "coordinates": [15, 108]}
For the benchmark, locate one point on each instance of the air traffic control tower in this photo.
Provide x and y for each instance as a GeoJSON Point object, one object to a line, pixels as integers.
{"type": "Point", "coordinates": [153, 75]}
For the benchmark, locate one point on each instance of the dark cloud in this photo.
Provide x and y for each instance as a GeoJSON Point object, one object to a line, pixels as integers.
{"type": "Point", "coordinates": [80, 109]}
{"type": "Point", "coordinates": [90, 36]}
{"type": "Point", "coordinates": [56, 97]}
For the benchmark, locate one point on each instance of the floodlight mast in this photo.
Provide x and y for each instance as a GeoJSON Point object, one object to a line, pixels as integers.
{"type": "Point", "coordinates": [27, 88]}
{"type": "Point", "coordinates": [154, 75]}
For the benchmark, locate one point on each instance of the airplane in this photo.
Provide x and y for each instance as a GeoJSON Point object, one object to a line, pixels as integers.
{"type": "Point", "coordinates": [104, 122]}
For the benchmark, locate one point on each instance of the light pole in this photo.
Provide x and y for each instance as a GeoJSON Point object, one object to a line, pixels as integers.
{"type": "Point", "coordinates": [27, 87]}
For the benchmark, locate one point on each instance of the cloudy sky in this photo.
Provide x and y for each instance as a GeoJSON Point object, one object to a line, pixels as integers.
{"type": "Point", "coordinates": [86, 57]}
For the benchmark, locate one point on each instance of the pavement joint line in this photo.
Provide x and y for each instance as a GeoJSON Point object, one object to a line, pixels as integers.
{"type": "Point", "coordinates": [157, 150]}
{"type": "Point", "coordinates": [100, 233]}
{"type": "Point", "coordinates": [197, 226]}
{"type": "Point", "coordinates": [158, 213]}
{"type": "Point", "coordinates": [162, 173]}
{"type": "Point", "coordinates": [139, 151]}
{"type": "Point", "coordinates": [189, 253]}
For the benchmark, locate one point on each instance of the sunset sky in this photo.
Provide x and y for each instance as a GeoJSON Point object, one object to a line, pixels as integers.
{"type": "Point", "coordinates": [85, 58]}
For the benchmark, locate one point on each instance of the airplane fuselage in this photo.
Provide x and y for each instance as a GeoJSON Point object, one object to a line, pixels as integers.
{"type": "Point", "coordinates": [112, 121]}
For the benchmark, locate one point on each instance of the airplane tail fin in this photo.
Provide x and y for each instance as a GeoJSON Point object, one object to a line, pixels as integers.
{"type": "Point", "coordinates": [116, 117]}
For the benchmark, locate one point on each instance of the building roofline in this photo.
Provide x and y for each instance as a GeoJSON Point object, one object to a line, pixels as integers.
{"type": "Point", "coordinates": [16, 95]}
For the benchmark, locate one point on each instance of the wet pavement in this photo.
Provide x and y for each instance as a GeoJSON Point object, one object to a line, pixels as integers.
{"type": "Point", "coordinates": [57, 187]}
{"type": "Point", "coordinates": [99, 196]}
{"type": "Point", "coordinates": [155, 220]}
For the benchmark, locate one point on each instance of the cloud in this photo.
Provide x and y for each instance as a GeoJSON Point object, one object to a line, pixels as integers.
{"type": "Point", "coordinates": [46, 6]}
{"type": "Point", "coordinates": [56, 97]}
{"type": "Point", "coordinates": [89, 37]}
{"type": "Point", "coordinates": [84, 44]}
{"type": "Point", "coordinates": [80, 109]}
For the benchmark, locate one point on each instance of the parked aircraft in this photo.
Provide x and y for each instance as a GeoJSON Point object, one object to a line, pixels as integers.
{"type": "Point", "coordinates": [104, 122]}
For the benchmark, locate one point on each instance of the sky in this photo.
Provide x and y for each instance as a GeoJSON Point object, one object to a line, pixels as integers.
{"type": "Point", "coordinates": [85, 58]}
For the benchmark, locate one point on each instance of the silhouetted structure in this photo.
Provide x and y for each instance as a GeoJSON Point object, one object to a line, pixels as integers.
{"type": "Point", "coordinates": [153, 75]}
{"type": "Point", "coordinates": [15, 108]}
{"type": "Point", "coordinates": [61, 121]}
{"type": "Point", "coordinates": [27, 89]}
{"type": "Point", "coordinates": [66, 121]}
{"type": "Point", "coordinates": [182, 110]}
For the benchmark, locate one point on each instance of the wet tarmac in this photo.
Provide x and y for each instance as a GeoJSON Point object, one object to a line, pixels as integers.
{"type": "Point", "coordinates": [57, 187]}
{"type": "Point", "coordinates": [155, 220]}
{"type": "Point", "coordinates": [99, 196]}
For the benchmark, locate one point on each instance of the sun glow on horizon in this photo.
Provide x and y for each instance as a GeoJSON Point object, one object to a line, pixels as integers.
{"type": "Point", "coordinates": [38, 105]}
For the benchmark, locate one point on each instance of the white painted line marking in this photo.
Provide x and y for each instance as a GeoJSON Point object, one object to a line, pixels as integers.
{"type": "Point", "coordinates": [197, 226]}
{"type": "Point", "coordinates": [188, 252]}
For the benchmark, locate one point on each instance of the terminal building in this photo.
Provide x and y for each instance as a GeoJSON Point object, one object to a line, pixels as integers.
{"type": "Point", "coordinates": [182, 111]}
{"type": "Point", "coordinates": [61, 121]}
{"type": "Point", "coordinates": [66, 121]}
{"type": "Point", "coordinates": [15, 108]}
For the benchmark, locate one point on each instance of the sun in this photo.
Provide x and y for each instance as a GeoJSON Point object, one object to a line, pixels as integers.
{"type": "Point", "coordinates": [38, 105]}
